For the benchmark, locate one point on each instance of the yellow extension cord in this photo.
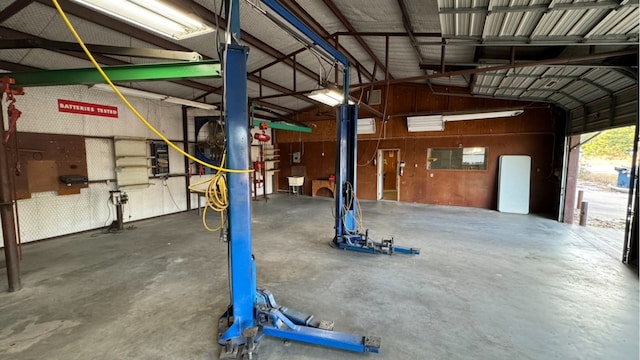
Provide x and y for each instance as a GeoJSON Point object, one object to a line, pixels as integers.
{"type": "Point", "coordinates": [216, 193]}
{"type": "Point", "coordinates": [216, 196]}
{"type": "Point", "coordinates": [128, 104]}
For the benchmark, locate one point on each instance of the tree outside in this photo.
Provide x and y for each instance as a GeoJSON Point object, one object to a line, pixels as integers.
{"type": "Point", "coordinates": [598, 177]}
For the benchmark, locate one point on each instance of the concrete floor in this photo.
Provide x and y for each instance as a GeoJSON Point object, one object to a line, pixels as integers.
{"type": "Point", "coordinates": [486, 286]}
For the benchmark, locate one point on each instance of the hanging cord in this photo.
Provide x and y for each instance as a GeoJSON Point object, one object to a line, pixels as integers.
{"type": "Point", "coordinates": [215, 195]}
{"type": "Point", "coordinates": [128, 104]}
{"type": "Point", "coordinates": [375, 151]}
{"type": "Point", "coordinates": [358, 210]}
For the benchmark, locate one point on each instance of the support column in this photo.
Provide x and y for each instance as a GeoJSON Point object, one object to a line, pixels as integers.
{"type": "Point", "coordinates": [241, 264]}
{"type": "Point", "coordinates": [346, 168]}
{"type": "Point", "coordinates": [8, 218]}
{"type": "Point", "coordinates": [572, 179]}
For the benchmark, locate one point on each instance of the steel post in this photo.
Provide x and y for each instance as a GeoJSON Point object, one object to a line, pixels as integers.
{"type": "Point", "coordinates": [584, 212]}
{"type": "Point", "coordinates": [241, 263]}
{"type": "Point", "coordinates": [8, 218]}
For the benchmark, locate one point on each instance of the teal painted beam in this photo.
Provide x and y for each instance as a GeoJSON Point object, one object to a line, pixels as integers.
{"type": "Point", "coordinates": [145, 72]}
{"type": "Point", "coordinates": [282, 126]}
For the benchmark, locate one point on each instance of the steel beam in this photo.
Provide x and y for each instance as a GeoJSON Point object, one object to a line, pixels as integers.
{"type": "Point", "coordinates": [8, 217]}
{"type": "Point", "coordinates": [304, 28]}
{"type": "Point", "coordinates": [282, 126]}
{"type": "Point", "coordinates": [406, 22]}
{"type": "Point", "coordinates": [547, 62]}
{"type": "Point", "coordinates": [14, 8]}
{"type": "Point", "coordinates": [105, 60]}
{"type": "Point", "coordinates": [99, 49]}
{"type": "Point", "coordinates": [585, 5]}
{"type": "Point", "coordinates": [87, 76]}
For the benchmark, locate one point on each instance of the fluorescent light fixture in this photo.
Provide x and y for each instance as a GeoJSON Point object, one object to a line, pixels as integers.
{"type": "Point", "coordinates": [130, 91]}
{"type": "Point", "coordinates": [154, 96]}
{"type": "Point", "coordinates": [153, 15]}
{"type": "Point", "coordinates": [479, 116]}
{"type": "Point", "coordinates": [425, 123]}
{"type": "Point", "coordinates": [331, 97]}
{"type": "Point", "coordinates": [366, 126]}
{"type": "Point", "coordinates": [196, 104]}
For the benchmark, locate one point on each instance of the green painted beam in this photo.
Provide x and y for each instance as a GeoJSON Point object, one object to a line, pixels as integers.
{"type": "Point", "coordinates": [146, 72]}
{"type": "Point", "coordinates": [282, 126]}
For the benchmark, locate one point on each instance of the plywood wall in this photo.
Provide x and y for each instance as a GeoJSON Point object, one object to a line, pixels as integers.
{"type": "Point", "coordinates": [533, 133]}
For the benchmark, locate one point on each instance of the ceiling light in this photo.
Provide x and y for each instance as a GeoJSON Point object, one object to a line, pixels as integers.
{"type": "Point", "coordinates": [196, 104]}
{"type": "Point", "coordinates": [331, 97]}
{"type": "Point", "coordinates": [425, 123]}
{"type": "Point", "coordinates": [153, 15]}
{"type": "Point", "coordinates": [366, 126]}
{"type": "Point", "coordinates": [154, 96]}
{"type": "Point", "coordinates": [479, 116]}
{"type": "Point", "coordinates": [130, 91]}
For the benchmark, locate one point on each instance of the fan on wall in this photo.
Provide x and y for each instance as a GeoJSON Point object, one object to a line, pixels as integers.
{"type": "Point", "coordinates": [210, 139]}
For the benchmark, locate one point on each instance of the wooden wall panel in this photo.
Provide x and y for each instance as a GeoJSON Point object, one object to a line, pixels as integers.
{"type": "Point", "coordinates": [532, 133]}
{"type": "Point", "coordinates": [42, 158]}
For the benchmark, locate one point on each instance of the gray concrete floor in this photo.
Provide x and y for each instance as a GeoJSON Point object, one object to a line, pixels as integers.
{"type": "Point", "coordinates": [486, 286]}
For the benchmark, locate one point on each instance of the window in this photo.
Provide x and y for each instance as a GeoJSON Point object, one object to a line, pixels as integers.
{"type": "Point", "coordinates": [472, 158]}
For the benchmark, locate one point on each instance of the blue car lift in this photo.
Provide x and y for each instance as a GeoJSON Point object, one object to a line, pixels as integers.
{"type": "Point", "coordinates": [254, 312]}
{"type": "Point", "coordinates": [348, 236]}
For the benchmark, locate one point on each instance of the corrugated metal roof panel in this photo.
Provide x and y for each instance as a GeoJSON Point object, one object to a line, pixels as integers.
{"type": "Point", "coordinates": [584, 91]}
{"type": "Point", "coordinates": [620, 22]}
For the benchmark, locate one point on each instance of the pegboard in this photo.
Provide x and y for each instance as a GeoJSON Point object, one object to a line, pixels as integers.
{"type": "Point", "coordinates": [40, 160]}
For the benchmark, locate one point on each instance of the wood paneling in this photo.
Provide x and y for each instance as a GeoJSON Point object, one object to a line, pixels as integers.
{"type": "Point", "coordinates": [533, 133]}
{"type": "Point", "coordinates": [42, 159]}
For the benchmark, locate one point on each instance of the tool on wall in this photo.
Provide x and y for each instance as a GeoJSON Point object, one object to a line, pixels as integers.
{"type": "Point", "coordinates": [259, 166]}
{"type": "Point", "coordinates": [12, 111]}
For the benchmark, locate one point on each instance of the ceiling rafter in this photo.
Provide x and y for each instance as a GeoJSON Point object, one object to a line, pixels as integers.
{"type": "Point", "coordinates": [338, 14]}
{"type": "Point", "coordinates": [547, 62]}
{"type": "Point", "coordinates": [312, 23]}
{"type": "Point", "coordinates": [106, 60]}
{"type": "Point", "coordinates": [406, 22]}
{"type": "Point", "coordinates": [13, 9]}
{"type": "Point", "coordinates": [115, 25]}
{"type": "Point", "coordinates": [585, 5]}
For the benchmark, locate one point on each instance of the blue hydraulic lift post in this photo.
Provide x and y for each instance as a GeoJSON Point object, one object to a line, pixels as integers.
{"type": "Point", "coordinates": [346, 127]}
{"type": "Point", "coordinates": [241, 263]}
{"type": "Point", "coordinates": [347, 234]}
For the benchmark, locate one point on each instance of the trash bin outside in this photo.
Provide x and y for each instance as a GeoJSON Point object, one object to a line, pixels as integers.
{"type": "Point", "coordinates": [624, 176]}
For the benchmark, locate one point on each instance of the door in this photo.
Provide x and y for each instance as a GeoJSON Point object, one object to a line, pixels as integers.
{"type": "Point", "coordinates": [388, 184]}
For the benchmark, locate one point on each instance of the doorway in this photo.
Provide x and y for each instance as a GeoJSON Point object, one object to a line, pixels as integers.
{"type": "Point", "coordinates": [388, 174]}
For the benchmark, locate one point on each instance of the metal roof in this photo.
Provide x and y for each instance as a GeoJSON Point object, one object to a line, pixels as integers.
{"type": "Point", "coordinates": [453, 43]}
